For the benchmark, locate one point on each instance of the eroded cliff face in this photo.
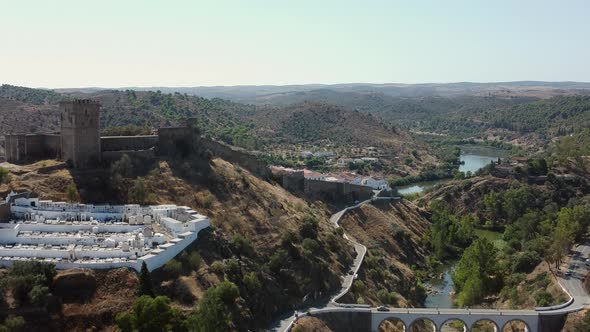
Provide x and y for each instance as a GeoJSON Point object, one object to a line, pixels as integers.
{"type": "Point", "coordinates": [394, 234]}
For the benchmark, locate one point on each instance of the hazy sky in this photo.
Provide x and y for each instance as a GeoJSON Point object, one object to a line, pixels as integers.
{"type": "Point", "coordinates": [190, 43]}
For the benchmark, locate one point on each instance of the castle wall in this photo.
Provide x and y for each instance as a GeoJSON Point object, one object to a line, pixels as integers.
{"type": "Point", "coordinates": [236, 156]}
{"type": "Point", "coordinates": [173, 140]}
{"type": "Point", "coordinates": [112, 156]}
{"type": "Point", "coordinates": [27, 147]}
{"type": "Point", "coordinates": [80, 138]}
{"type": "Point", "coordinates": [294, 182]}
{"type": "Point", "coordinates": [127, 143]}
{"type": "Point", "coordinates": [336, 191]}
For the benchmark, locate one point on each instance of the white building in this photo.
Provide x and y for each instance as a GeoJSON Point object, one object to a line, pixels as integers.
{"type": "Point", "coordinates": [96, 236]}
{"type": "Point", "coordinates": [375, 183]}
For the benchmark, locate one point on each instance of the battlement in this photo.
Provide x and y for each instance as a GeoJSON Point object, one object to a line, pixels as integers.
{"type": "Point", "coordinates": [80, 102]}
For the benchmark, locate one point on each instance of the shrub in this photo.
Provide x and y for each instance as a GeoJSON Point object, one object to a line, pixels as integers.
{"type": "Point", "coordinates": [29, 281]}
{"type": "Point", "coordinates": [217, 267]}
{"type": "Point", "coordinates": [173, 268]}
{"type": "Point", "coordinates": [12, 324]}
{"type": "Point", "coordinates": [544, 299]}
{"type": "Point", "coordinates": [309, 228]}
{"type": "Point", "coordinates": [310, 246]}
{"type": "Point", "coordinates": [71, 192]}
{"type": "Point", "coordinates": [242, 246]}
{"type": "Point", "coordinates": [526, 262]}
{"type": "Point", "coordinates": [386, 297]}
{"type": "Point", "coordinates": [4, 175]}
{"type": "Point", "coordinates": [333, 243]}
{"type": "Point", "coordinates": [194, 261]}
{"type": "Point", "coordinates": [278, 260]}
{"type": "Point", "coordinates": [150, 315]}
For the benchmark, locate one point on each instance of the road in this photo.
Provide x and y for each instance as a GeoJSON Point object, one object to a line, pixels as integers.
{"type": "Point", "coordinates": [573, 285]}
{"type": "Point", "coordinates": [284, 323]}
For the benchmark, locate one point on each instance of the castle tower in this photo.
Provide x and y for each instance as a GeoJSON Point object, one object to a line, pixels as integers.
{"type": "Point", "coordinates": [80, 135]}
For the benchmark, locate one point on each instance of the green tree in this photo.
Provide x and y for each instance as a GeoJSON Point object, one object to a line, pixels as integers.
{"type": "Point", "coordinates": [149, 315]}
{"type": "Point", "coordinates": [71, 192]}
{"type": "Point", "coordinates": [493, 208]}
{"type": "Point", "coordinates": [309, 228]}
{"type": "Point", "coordinates": [476, 273]}
{"type": "Point", "coordinates": [12, 324]}
{"type": "Point", "coordinates": [537, 167]}
{"type": "Point", "coordinates": [516, 202]}
{"type": "Point", "coordinates": [28, 281]}
{"type": "Point", "coordinates": [242, 246]}
{"type": "Point", "coordinates": [543, 299]}
{"type": "Point", "coordinates": [214, 311]}
{"type": "Point", "coordinates": [38, 295]}
{"type": "Point", "coordinates": [4, 175]}
{"type": "Point", "coordinates": [173, 268]}
{"type": "Point", "coordinates": [145, 281]}
{"type": "Point", "coordinates": [139, 190]}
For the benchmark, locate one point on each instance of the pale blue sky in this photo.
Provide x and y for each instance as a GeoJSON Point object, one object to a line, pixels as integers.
{"type": "Point", "coordinates": [111, 43]}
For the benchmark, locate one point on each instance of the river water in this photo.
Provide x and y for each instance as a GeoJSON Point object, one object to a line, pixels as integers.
{"type": "Point", "coordinates": [473, 158]}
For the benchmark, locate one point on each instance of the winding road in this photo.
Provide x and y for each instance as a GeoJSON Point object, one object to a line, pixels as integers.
{"type": "Point", "coordinates": [573, 285]}
{"type": "Point", "coordinates": [285, 323]}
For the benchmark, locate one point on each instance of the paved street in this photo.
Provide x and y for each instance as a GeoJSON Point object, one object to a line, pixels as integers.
{"type": "Point", "coordinates": [574, 284]}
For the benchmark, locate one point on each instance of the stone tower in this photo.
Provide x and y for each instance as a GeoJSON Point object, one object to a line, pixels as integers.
{"type": "Point", "coordinates": [80, 135]}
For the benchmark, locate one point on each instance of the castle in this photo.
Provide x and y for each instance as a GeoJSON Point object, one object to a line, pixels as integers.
{"type": "Point", "coordinates": [79, 142]}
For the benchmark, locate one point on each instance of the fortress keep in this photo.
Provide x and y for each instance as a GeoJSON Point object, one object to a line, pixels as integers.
{"type": "Point", "coordinates": [79, 142]}
{"type": "Point", "coordinates": [80, 134]}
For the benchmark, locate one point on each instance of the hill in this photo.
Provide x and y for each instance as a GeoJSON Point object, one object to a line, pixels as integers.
{"type": "Point", "coordinates": [252, 94]}
{"type": "Point", "coordinates": [315, 126]}
{"type": "Point", "coordinates": [256, 239]}
{"type": "Point", "coordinates": [272, 129]}
{"type": "Point", "coordinates": [25, 110]}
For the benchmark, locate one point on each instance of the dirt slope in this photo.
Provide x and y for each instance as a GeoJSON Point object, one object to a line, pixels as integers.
{"type": "Point", "coordinates": [393, 233]}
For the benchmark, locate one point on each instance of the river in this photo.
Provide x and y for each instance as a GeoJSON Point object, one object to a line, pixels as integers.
{"type": "Point", "coordinates": [473, 157]}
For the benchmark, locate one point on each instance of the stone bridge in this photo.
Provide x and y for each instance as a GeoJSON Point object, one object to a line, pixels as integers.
{"type": "Point", "coordinates": [433, 320]}
{"type": "Point", "coordinates": [437, 318]}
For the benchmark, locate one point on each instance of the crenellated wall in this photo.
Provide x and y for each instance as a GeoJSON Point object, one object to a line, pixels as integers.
{"type": "Point", "coordinates": [128, 143]}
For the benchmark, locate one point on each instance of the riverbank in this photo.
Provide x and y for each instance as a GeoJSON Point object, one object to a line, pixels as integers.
{"type": "Point", "coordinates": [472, 159]}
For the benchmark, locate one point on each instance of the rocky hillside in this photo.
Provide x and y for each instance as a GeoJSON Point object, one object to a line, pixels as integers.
{"type": "Point", "coordinates": [393, 233]}
{"type": "Point", "coordinates": [276, 247]}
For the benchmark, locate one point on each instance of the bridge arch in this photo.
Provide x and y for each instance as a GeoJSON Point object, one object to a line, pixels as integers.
{"type": "Point", "coordinates": [516, 325]}
{"type": "Point", "coordinates": [392, 324]}
{"type": "Point", "coordinates": [453, 325]}
{"type": "Point", "coordinates": [485, 325]}
{"type": "Point", "coordinates": [422, 324]}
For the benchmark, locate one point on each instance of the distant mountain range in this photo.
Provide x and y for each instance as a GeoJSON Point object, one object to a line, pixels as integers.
{"type": "Point", "coordinates": [271, 94]}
